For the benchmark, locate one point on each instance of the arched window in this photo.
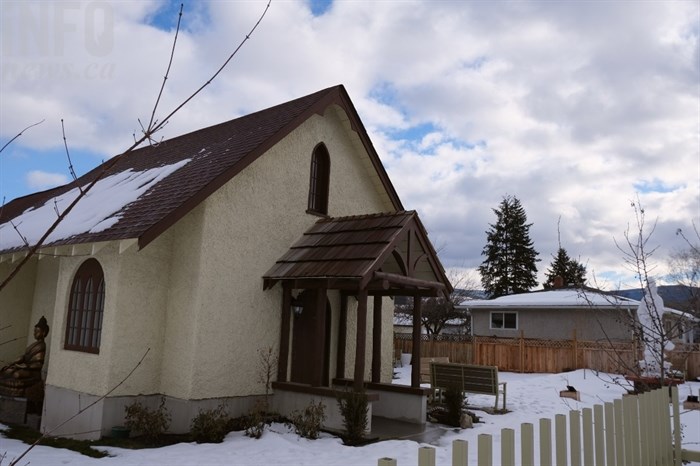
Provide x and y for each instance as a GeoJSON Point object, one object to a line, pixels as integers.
{"type": "Point", "coordinates": [319, 180]}
{"type": "Point", "coordinates": [85, 308]}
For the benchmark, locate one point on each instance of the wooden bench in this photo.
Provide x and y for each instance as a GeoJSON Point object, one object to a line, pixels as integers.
{"type": "Point", "coordinates": [469, 378]}
{"type": "Point", "coordinates": [425, 366]}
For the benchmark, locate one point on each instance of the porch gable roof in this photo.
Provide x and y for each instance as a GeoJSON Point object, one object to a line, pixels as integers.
{"type": "Point", "coordinates": [385, 254]}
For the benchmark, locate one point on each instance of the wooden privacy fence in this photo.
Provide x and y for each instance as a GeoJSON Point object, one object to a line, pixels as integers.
{"type": "Point", "coordinates": [634, 430]}
{"type": "Point", "coordinates": [548, 356]}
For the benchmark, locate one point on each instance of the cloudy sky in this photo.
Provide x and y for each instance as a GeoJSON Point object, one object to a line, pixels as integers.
{"type": "Point", "coordinates": [576, 108]}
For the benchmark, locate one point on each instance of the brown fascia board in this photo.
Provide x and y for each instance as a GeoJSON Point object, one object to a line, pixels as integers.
{"type": "Point", "coordinates": [335, 95]}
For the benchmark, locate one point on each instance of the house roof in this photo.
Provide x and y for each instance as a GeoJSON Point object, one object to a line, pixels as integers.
{"type": "Point", "coordinates": [387, 253]}
{"type": "Point", "coordinates": [571, 298]}
{"type": "Point", "coordinates": [149, 189]}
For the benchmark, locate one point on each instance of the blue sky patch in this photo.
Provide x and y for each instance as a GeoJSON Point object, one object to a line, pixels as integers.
{"type": "Point", "coordinates": [415, 133]}
{"type": "Point", "coordinates": [654, 186]}
{"type": "Point", "coordinates": [386, 93]}
{"type": "Point", "coordinates": [17, 161]}
{"type": "Point", "coordinates": [165, 18]}
{"type": "Point", "coordinates": [319, 7]}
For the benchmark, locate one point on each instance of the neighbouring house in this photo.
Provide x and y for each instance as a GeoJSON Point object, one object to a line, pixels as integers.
{"type": "Point", "coordinates": [277, 230]}
{"type": "Point", "coordinates": [562, 313]}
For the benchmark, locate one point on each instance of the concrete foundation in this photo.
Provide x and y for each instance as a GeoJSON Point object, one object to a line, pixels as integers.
{"type": "Point", "coordinates": [13, 410]}
{"type": "Point", "coordinates": [98, 416]}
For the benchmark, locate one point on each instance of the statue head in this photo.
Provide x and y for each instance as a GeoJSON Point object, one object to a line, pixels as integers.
{"type": "Point", "coordinates": [43, 326]}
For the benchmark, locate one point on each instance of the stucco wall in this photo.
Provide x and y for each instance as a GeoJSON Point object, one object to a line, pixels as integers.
{"type": "Point", "coordinates": [264, 209]}
{"type": "Point", "coordinates": [136, 291]}
{"type": "Point", "coordinates": [194, 295]}
{"type": "Point", "coordinates": [43, 303]}
{"type": "Point", "coordinates": [77, 370]}
{"type": "Point", "coordinates": [15, 312]}
{"type": "Point", "coordinates": [557, 324]}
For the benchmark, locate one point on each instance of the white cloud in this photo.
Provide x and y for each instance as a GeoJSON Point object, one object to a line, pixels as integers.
{"type": "Point", "coordinates": [39, 180]}
{"type": "Point", "coordinates": [571, 104]}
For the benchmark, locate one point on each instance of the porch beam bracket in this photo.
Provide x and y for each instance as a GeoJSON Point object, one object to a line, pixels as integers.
{"type": "Point", "coordinates": [408, 281]}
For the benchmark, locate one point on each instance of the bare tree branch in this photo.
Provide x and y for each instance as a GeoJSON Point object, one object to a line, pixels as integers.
{"type": "Point", "coordinates": [24, 239]}
{"type": "Point", "coordinates": [147, 135]}
{"type": "Point", "coordinates": [70, 162]}
{"type": "Point", "coordinates": [167, 72]}
{"type": "Point", "coordinates": [19, 134]}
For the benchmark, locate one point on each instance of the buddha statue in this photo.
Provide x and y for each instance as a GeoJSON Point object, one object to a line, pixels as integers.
{"type": "Point", "coordinates": [16, 378]}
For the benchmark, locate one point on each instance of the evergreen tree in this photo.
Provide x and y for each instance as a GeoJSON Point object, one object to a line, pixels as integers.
{"type": "Point", "coordinates": [510, 261]}
{"type": "Point", "coordinates": [570, 270]}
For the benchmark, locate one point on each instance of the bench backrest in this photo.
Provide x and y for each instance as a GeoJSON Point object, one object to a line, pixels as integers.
{"type": "Point", "coordinates": [425, 366]}
{"type": "Point", "coordinates": [467, 377]}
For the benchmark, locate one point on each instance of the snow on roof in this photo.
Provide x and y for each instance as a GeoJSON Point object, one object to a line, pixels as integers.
{"type": "Point", "coordinates": [562, 298]}
{"type": "Point", "coordinates": [100, 209]}
{"type": "Point", "coordinates": [569, 297]}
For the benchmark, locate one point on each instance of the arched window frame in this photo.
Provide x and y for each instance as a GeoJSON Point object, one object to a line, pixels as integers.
{"type": "Point", "coordinates": [86, 308]}
{"type": "Point", "coordinates": [319, 180]}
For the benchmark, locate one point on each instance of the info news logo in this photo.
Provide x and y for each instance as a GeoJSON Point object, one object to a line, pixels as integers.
{"type": "Point", "coordinates": [56, 40]}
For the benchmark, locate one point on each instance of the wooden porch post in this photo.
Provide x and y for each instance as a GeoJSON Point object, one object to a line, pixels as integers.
{"type": "Point", "coordinates": [284, 335]}
{"type": "Point", "coordinates": [319, 338]}
{"type": "Point", "coordinates": [377, 339]}
{"type": "Point", "coordinates": [415, 357]}
{"type": "Point", "coordinates": [360, 341]}
{"type": "Point", "coordinates": [342, 331]}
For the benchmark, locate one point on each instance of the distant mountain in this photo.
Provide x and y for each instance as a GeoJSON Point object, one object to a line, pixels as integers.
{"type": "Point", "coordinates": [675, 296]}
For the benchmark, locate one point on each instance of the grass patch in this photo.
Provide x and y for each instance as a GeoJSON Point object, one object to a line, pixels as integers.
{"type": "Point", "coordinates": [29, 436]}
{"type": "Point", "coordinates": [136, 443]}
{"type": "Point", "coordinates": [87, 447]}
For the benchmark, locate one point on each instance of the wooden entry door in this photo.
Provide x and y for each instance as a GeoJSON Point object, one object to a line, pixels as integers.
{"type": "Point", "coordinates": [305, 360]}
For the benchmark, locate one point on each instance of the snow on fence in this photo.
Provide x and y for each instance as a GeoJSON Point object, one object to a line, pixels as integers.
{"type": "Point", "coordinates": [634, 430]}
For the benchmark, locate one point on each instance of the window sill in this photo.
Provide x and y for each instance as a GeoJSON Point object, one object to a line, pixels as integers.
{"type": "Point", "coordinates": [317, 214]}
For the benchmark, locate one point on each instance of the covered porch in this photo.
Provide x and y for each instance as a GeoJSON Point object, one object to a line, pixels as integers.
{"type": "Point", "coordinates": [361, 261]}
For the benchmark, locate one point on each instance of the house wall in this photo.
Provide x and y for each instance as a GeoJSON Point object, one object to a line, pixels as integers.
{"type": "Point", "coordinates": [193, 299]}
{"type": "Point", "coordinates": [43, 303]}
{"type": "Point", "coordinates": [15, 314]}
{"type": "Point", "coordinates": [136, 290]}
{"type": "Point", "coordinates": [264, 209]}
{"type": "Point", "coordinates": [557, 324]}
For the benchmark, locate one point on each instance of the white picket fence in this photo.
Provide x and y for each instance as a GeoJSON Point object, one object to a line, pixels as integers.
{"type": "Point", "coordinates": [632, 431]}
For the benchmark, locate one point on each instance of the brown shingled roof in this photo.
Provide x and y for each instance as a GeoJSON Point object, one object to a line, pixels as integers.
{"type": "Point", "coordinates": [387, 253]}
{"type": "Point", "coordinates": [217, 154]}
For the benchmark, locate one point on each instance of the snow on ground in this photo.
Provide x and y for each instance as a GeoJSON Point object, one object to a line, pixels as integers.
{"type": "Point", "coordinates": [530, 397]}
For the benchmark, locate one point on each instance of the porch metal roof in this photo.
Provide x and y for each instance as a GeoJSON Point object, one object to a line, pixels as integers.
{"type": "Point", "coordinates": [387, 253]}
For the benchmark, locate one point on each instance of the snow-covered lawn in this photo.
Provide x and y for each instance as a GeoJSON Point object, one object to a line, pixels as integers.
{"type": "Point", "coordinates": [530, 397]}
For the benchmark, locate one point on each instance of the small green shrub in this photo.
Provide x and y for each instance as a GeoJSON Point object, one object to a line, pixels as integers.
{"type": "Point", "coordinates": [354, 408]}
{"type": "Point", "coordinates": [307, 423]}
{"type": "Point", "coordinates": [454, 402]}
{"type": "Point", "coordinates": [149, 423]}
{"type": "Point", "coordinates": [211, 425]}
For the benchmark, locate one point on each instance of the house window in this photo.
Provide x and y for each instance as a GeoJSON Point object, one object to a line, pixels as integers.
{"type": "Point", "coordinates": [504, 320]}
{"type": "Point", "coordinates": [85, 308]}
{"type": "Point", "coordinates": [319, 180]}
